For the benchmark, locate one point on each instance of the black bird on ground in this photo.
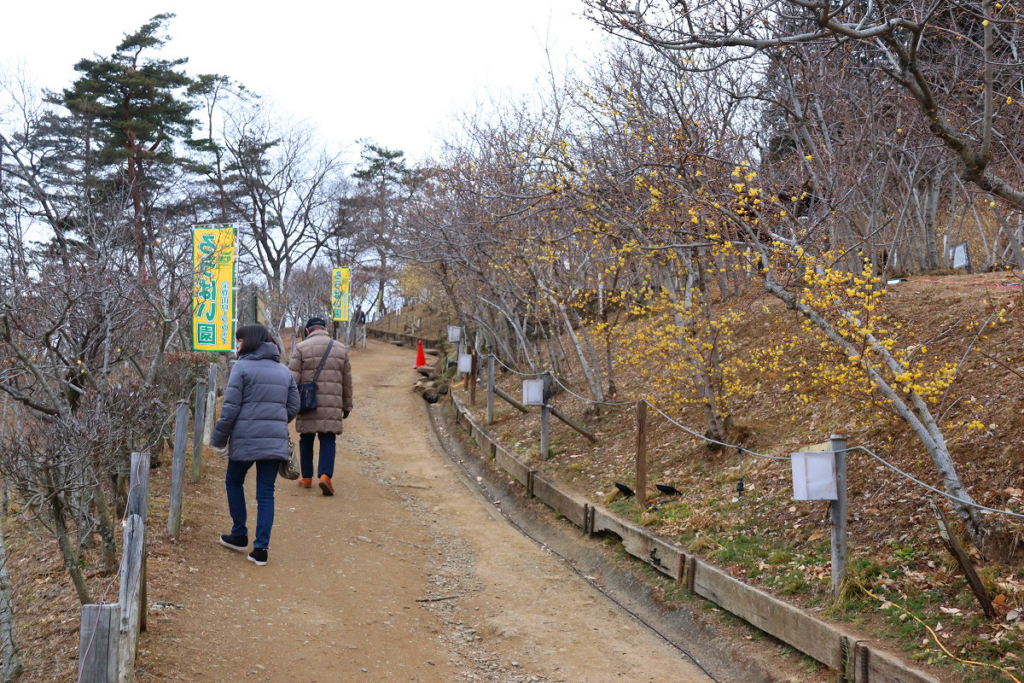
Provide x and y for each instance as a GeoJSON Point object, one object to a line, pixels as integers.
{"type": "Point", "coordinates": [668, 489]}
{"type": "Point", "coordinates": [625, 490]}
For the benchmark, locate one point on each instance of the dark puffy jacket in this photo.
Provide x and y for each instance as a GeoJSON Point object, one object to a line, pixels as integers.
{"type": "Point", "coordinates": [260, 400]}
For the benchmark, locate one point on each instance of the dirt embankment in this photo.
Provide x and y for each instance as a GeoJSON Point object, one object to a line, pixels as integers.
{"type": "Point", "coordinates": [766, 538]}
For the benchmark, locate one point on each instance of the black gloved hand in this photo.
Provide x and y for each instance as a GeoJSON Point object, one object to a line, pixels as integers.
{"type": "Point", "coordinates": [344, 415]}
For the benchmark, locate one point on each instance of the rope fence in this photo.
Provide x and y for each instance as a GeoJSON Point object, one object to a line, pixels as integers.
{"type": "Point", "coordinates": [741, 449]}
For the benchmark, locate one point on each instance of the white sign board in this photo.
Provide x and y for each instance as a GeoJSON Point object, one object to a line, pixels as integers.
{"type": "Point", "coordinates": [533, 392]}
{"type": "Point", "coordinates": [960, 257]}
{"type": "Point", "coordinates": [814, 476]}
{"type": "Point", "coordinates": [465, 362]}
{"type": "Point", "coordinates": [454, 333]}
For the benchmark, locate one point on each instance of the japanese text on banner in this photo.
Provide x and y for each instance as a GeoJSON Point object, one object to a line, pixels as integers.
{"type": "Point", "coordinates": [213, 296]}
{"type": "Point", "coordinates": [340, 284]}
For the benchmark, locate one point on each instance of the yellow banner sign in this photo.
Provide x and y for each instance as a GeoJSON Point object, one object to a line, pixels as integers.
{"type": "Point", "coordinates": [213, 295]}
{"type": "Point", "coordinates": [341, 280]}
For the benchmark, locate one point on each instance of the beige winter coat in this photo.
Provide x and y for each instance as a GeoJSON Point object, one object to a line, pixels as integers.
{"type": "Point", "coordinates": [333, 387]}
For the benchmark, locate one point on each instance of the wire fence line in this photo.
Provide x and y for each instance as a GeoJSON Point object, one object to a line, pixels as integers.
{"type": "Point", "coordinates": [739, 448]}
{"type": "Point", "coordinates": [613, 404]}
{"type": "Point", "coordinates": [620, 404]}
{"type": "Point", "coordinates": [132, 602]}
{"type": "Point", "coordinates": [894, 468]}
{"type": "Point", "coordinates": [513, 370]}
{"type": "Point", "coordinates": [765, 456]}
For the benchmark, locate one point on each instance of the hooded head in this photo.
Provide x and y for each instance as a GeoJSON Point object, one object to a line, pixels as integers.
{"type": "Point", "coordinates": [252, 339]}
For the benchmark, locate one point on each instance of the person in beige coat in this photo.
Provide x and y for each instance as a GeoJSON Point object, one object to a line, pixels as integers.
{"type": "Point", "coordinates": [333, 400]}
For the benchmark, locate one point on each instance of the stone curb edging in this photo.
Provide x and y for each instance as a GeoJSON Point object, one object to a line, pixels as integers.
{"type": "Point", "coordinates": [853, 657]}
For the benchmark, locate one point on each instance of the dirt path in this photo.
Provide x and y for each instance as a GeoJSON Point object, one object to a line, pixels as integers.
{"type": "Point", "coordinates": [339, 599]}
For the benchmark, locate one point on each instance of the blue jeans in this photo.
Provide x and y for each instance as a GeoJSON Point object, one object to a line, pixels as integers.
{"type": "Point", "coordinates": [266, 476]}
{"type": "Point", "coordinates": [327, 447]}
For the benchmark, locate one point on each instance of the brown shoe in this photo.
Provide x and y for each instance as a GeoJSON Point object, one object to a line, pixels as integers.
{"type": "Point", "coordinates": [326, 486]}
{"type": "Point", "coordinates": [305, 482]}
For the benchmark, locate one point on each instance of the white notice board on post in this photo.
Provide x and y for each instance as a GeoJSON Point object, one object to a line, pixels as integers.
{"type": "Point", "coordinates": [814, 475]}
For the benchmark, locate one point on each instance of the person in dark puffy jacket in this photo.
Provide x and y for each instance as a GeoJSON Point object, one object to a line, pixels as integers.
{"type": "Point", "coordinates": [260, 400]}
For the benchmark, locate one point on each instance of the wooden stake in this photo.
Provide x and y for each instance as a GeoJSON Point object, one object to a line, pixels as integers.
{"type": "Point", "coordinates": [641, 453]}
{"type": "Point", "coordinates": [211, 402]}
{"type": "Point", "coordinates": [472, 381]}
{"type": "Point", "coordinates": [178, 469]}
{"type": "Point", "coordinates": [545, 421]}
{"type": "Point", "coordinates": [198, 421]}
{"type": "Point", "coordinates": [490, 389]}
{"type": "Point", "coordinates": [952, 544]}
{"type": "Point", "coordinates": [138, 504]}
{"type": "Point", "coordinates": [129, 597]}
{"type": "Point", "coordinates": [98, 643]}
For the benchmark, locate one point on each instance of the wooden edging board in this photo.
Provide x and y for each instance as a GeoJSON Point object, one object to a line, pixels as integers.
{"type": "Point", "coordinates": [410, 338]}
{"type": "Point", "coordinates": [860, 661]}
{"type": "Point", "coordinates": [641, 543]}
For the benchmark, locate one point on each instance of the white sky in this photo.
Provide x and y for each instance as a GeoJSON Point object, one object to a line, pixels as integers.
{"type": "Point", "coordinates": [394, 72]}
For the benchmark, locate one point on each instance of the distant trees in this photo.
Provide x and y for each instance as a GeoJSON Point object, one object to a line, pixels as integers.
{"type": "Point", "coordinates": [385, 183]}
{"type": "Point", "coordinates": [285, 187]}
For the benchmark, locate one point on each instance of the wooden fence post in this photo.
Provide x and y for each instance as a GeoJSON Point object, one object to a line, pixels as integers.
{"type": "Point", "coordinates": [490, 389]}
{"type": "Point", "coordinates": [98, 643]}
{"type": "Point", "coordinates": [545, 420]}
{"type": "Point", "coordinates": [198, 420]}
{"type": "Point", "coordinates": [641, 453]}
{"type": "Point", "coordinates": [473, 372]}
{"type": "Point", "coordinates": [178, 469]}
{"type": "Point", "coordinates": [138, 504]}
{"type": "Point", "coordinates": [839, 515]}
{"type": "Point", "coordinates": [138, 488]}
{"type": "Point", "coordinates": [129, 597]}
{"type": "Point", "coordinates": [211, 403]}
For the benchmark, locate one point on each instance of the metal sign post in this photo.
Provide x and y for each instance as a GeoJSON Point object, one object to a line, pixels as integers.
{"type": "Point", "coordinates": [839, 515]}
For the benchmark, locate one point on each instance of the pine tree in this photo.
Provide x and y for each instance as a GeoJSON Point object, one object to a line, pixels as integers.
{"type": "Point", "coordinates": [141, 108]}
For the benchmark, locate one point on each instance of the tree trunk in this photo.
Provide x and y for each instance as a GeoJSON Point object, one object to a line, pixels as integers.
{"type": "Point", "coordinates": [133, 189]}
{"type": "Point", "coordinates": [104, 525]}
{"type": "Point", "coordinates": [931, 210]}
{"type": "Point", "coordinates": [596, 390]}
{"type": "Point", "coordinates": [11, 668]}
{"type": "Point", "coordinates": [67, 551]}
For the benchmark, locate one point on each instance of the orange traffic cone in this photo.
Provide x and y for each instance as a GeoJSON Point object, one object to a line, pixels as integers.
{"type": "Point", "coordinates": [421, 360]}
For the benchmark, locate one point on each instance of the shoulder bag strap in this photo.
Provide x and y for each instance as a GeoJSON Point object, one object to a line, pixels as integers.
{"type": "Point", "coordinates": [323, 361]}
